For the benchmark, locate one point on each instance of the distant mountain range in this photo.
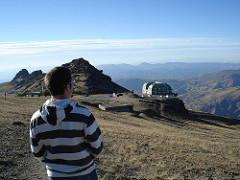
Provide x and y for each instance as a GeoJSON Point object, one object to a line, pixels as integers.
{"type": "Point", "coordinates": [173, 70]}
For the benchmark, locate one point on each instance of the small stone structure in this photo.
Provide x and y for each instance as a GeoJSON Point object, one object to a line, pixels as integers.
{"type": "Point", "coordinates": [35, 94]}
{"type": "Point", "coordinates": [116, 107]}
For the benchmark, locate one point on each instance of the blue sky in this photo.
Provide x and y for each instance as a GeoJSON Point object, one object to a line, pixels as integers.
{"type": "Point", "coordinates": [45, 33]}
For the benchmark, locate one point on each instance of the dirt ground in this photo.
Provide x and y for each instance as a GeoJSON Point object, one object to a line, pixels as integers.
{"type": "Point", "coordinates": [197, 146]}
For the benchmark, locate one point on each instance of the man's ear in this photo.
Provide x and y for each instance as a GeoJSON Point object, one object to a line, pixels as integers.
{"type": "Point", "coordinates": [70, 85]}
{"type": "Point", "coordinates": [67, 86]}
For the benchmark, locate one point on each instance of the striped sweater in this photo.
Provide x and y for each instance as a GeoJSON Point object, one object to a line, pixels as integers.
{"type": "Point", "coordinates": [66, 137]}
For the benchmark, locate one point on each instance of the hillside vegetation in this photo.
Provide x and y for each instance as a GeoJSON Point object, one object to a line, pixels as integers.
{"type": "Point", "coordinates": [185, 146]}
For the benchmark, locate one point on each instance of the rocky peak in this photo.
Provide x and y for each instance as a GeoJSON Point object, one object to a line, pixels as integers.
{"type": "Point", "coordinates": [21, 74]}
{"type": "Point", "coordinates": [36, 73]}
{"type": "Point", "coordinates": [91, 78]}
{"type": "Point", "coordinates": [80, 66]}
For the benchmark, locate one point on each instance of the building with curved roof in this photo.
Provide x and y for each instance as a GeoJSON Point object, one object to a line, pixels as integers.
{"type": "Point", "coordinates": [157, 88]}
{"type": "Point", "coordinates": [146, 86]}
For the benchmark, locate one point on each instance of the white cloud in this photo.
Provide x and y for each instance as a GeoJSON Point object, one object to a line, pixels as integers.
{"type": "Point", "coordinates": [112, 45]}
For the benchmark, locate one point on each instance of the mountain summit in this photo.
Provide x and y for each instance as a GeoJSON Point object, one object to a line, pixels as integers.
{"type": "Point", "coordinates": [90, 80]}
{"type": "Point", "coordinates": [21, 74]}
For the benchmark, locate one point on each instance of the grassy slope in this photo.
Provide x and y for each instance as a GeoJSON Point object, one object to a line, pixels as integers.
{"type": "Point", "coordinates": [198, 147]}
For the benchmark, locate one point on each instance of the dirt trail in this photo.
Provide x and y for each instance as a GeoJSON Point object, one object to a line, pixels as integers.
{"type": "Point", "coordinates": [16, 160]}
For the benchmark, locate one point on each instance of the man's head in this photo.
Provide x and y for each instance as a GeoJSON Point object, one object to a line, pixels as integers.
{"type": "Point", "coordinates": [58, 80]}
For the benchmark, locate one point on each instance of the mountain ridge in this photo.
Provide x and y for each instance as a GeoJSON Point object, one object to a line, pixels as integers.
{"type": "Point", "coordinates": [89, 79]}
{"type": "Point", "coordinates": [170, 70]}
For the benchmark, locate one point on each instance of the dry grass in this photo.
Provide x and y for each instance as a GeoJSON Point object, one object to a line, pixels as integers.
{"type": "Point", "coordinates": [138, 148]}
{"type": "Point", "coordinates": [141, 148]}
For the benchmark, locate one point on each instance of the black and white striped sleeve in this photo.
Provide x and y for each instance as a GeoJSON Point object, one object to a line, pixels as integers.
{"type": "Point", "coordinates": [93, 136]}
{"type": "Point", "coordinates": [37, 148]}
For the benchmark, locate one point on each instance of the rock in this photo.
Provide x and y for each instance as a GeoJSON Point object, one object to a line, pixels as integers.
{"type": "Point", "coordinates": [18, 123]}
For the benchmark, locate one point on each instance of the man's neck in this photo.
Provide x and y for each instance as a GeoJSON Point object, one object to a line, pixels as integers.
{"type": "Point", "coordinates": [59, 97]}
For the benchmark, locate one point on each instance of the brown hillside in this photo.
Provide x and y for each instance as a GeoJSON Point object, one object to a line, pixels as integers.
{"type": "Point", "coordinates": [221, 102]}
{"type": "Point", "coordinates": [216, 93]}
{"type": "Point", "coordinates": [182, 146]}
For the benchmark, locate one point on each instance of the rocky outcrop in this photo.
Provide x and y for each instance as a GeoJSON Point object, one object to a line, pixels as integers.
{"type": "Point", "coordinates": [21, 75]}
{"type": "Point", "coordinates": [90, 80]}
{"type": "Point", "coordinates": [151, 107]}
{"type": "Point", "coordinates": [24, 81]}
{"type": "Point", "coordinates": [154, 107]}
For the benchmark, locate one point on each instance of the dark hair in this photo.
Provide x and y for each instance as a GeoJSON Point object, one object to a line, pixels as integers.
{"type": "Point", "coordinates": [56, 80]}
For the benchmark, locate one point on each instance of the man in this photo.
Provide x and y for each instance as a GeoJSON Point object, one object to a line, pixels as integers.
{"type": "Point", "coordinates": [64, 135]}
